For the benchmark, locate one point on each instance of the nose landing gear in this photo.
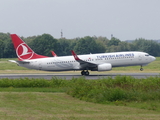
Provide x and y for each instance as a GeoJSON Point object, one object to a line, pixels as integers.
{"type": "Point", "coordinates": [85, 72]}
{"type": "Point", "coordinates": [141, 69]}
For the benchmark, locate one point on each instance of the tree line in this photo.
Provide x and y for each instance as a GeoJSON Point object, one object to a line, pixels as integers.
{"type": "Point", "coordinates": [43, 44]}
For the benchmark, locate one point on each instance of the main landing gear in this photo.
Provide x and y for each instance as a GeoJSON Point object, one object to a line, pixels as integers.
{"type": "Point", "coordinates": [141, 69]}
{"type": "Point", "coordinates": [85, 72]}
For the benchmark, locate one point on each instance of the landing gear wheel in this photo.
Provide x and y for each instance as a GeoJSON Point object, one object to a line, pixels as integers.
{"type": "Point", "coordinates": [141, 69]}
{"type": "Point", "coordinates": [86, 73]}
{"type": "Point", "coordinates": [83, 72]}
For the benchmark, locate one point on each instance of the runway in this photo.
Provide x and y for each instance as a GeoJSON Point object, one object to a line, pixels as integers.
{"type": "Point", "coordinates": [70, 76]}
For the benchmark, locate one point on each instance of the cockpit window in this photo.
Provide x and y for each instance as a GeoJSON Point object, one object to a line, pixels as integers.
{"type": "Point", "coordinates": [146, 54]}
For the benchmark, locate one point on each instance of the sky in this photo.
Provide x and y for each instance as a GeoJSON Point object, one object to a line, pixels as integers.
{"type": "Point", "coordinates": [125, 19]}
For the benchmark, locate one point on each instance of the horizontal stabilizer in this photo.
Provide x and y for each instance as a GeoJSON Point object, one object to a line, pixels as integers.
{"type": "Point", "coordinates": [18, 62]}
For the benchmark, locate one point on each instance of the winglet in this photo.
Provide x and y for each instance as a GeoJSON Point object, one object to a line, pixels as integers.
{"type": "Point", "coordinates": [75, 55]}
{"type": "Point", "coordinates": [53, 53]}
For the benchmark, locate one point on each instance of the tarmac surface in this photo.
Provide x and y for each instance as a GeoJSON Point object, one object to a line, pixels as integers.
{"type": "Point", "coordinates": [70, 76]}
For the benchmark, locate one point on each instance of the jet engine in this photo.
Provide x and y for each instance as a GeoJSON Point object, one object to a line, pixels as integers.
{"type": "Point", "coordinates": [105, 67]}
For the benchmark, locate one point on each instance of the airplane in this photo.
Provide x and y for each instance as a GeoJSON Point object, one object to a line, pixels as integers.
{"type": "Point", "coordinates": [94, 62]}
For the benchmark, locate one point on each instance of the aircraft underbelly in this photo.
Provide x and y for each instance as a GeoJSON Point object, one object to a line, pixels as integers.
{"type": "Point", "coordinates": [58, 67]}
{"type": "Point", "coordinates": [124, 63]}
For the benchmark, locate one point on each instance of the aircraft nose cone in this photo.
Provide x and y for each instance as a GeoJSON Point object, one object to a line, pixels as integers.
{"type": "Point", "coordinates": [153, 58]}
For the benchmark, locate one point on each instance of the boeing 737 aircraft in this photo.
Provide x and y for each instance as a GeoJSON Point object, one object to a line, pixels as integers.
{"type": "Point", "coordinates": [94, 62]}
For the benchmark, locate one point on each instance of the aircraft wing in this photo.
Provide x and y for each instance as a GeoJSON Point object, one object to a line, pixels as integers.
{"type": "Point", "coordinates": [83, 64]}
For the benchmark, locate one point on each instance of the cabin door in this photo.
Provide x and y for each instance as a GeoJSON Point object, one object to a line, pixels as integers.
{"type": "Point", "coordinates": [140, 57]}
{"type": "Point", "coordinates": [40, 66]}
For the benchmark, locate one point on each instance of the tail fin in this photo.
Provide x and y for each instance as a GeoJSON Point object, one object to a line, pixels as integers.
{"type": "Point", "coordinates": [23, 51]}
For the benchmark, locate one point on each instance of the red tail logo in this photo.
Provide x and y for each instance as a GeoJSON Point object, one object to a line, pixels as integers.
{"type": "Point", "coordinates": [23, 51]}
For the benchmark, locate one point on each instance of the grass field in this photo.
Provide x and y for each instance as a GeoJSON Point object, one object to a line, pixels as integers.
{"type": "Point", "coordinates": [60, 106]}
{"type": "Point", "coordinates": [54, 104]}
{"type": "Point", "coordinates": [28, 99]}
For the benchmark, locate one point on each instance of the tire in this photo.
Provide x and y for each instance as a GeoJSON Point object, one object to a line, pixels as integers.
{"type": "Point", "coordinates": [83, 73]}
{"type": "Point", "coordinates": [86, 73]}
{"type": "Point", "coordinates": [141, 69]}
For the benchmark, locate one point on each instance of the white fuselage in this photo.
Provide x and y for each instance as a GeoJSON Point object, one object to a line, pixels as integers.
{"type": "Point", "coordinates": [66, 63]}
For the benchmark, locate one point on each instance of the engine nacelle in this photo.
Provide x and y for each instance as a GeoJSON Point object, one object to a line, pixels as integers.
{"type": "Point", "coordinates": [105, 67]}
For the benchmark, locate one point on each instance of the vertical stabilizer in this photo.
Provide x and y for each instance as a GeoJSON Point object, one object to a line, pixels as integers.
{"type": "Point", "coordinates": [23, 51]}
